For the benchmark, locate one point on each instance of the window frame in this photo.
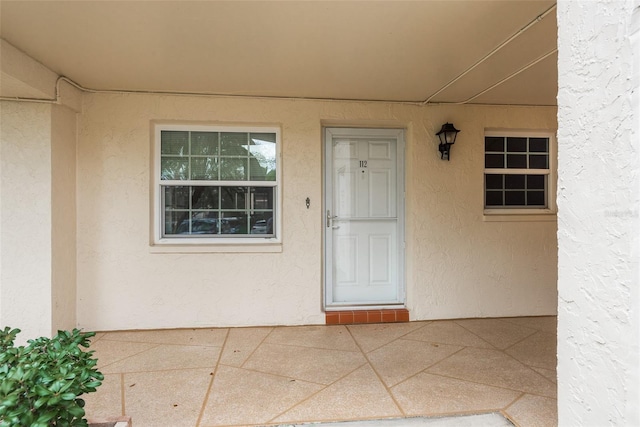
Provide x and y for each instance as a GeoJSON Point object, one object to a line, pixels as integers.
{"type": "Point", "coordinates": [507, 213]}
{"type": "Point", "coordinates": [224, 242]}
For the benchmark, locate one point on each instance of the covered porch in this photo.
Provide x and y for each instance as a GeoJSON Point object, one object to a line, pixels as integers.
{"type": "Point", "coordinates": [83, 84]}
{"type": "Point", "coordinates": [303, 374]}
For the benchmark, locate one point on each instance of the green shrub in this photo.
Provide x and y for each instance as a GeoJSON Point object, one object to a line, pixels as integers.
{"type": "Point", "coordinates": [40, 384]}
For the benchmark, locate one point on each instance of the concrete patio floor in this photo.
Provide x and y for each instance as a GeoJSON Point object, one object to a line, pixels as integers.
{"type": "Point", "coordinates": [302, 374]}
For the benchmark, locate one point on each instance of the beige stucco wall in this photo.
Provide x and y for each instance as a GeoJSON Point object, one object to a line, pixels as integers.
{"type": "Point", "coordinates": [457, 264]}
{"type": "Point", "coordinates": [63, 218]}
{"type": "Point", "coordinates": [25, 225]}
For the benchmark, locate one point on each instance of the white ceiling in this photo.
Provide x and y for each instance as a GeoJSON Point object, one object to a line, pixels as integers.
{"type": "Point", "coordinates": [412, 51]}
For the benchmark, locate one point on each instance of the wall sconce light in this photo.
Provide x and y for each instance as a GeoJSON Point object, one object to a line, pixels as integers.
{"type": "Point", "coordinates": [447, 137]}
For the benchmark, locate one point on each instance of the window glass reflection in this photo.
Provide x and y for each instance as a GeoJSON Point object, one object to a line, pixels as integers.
{"type": "Point", "coordinates": [262, 150]}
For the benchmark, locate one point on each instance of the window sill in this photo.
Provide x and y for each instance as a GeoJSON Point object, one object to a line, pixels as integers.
{"type": "Point", "coordinates": [502, 216]}
{"type": "Point", "coordinates": [190, 248]}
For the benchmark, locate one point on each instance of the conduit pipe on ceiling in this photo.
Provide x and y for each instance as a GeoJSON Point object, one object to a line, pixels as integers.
{"type": "Point", "coordinates": [56, 99]}
{"type": "Point", "coordinates": [489, 55]}
{"type": "Point", "coordinates": [526, 67]}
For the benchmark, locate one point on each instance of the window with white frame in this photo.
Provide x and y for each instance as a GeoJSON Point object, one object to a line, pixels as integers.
{"type": "Point", "coordinates": [518, 172]}
{"type": "Point", "coordinates": [216, 184]}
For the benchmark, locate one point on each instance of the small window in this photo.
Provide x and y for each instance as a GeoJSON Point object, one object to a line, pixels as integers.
{"type": "Point", "coordinates": [216, 185]}
{"type": "Point", "coordinates": [518, 172]}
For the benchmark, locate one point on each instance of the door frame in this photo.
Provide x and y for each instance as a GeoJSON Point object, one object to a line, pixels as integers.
{"type": "Point", "coordinates": [328, 133]}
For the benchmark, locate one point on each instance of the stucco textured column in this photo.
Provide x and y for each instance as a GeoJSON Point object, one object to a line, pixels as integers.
{"type": "Point", "coordinates": [25, 219]}
{"type": "Point", "coordinates": [599, 214]}
{"type": "Point", "coordinates": [37, 218]}
{"type": "Point", "coordinates": [37, 198]}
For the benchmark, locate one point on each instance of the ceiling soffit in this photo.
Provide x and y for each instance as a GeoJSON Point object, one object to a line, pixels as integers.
{"type": "Point", "coordinates": [392, 51]}
{"type": "Point", "coordinates": [529, 49]}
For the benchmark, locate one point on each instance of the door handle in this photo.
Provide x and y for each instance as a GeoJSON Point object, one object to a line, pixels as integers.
{"type": "Point", "coordinates": [329, 218]}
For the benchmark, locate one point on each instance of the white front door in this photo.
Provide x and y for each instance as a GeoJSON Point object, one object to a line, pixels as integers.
{"type": "Point", "coordinates": [364, 213]}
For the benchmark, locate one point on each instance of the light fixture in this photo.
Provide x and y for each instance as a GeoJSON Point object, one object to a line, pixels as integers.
{"type": "Point", "coordinates": [447, 137]}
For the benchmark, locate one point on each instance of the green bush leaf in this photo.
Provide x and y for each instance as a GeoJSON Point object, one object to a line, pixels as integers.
{"type": "Point", "coordinates": [7, 385]}
{"type": "Point", "coordinates": [76, 411]}
{"type": "Point", "coordinates": [42, 391]}
{"type": "Point", "coordinates": [68, 396]}
{"type": "Point", "coordinates": [46, 417]}
{"type": "Point", "coordinates": [9, 400]}
{"type": "Point", "coordinates": [40, 383]}
{"type": "Point", "coordinates": [53, 400]}
{"type": "Point", "coordinates": [40, 402]}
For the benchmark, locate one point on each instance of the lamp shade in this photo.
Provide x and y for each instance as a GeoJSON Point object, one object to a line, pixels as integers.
{"type": "Point", "coordinates": [447, 134]}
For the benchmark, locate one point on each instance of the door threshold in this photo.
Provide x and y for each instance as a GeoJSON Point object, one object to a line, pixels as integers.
{"type": "Point", "coordinates": [366, 315]}
{"type": "Point", "coordinates": [361, 307]}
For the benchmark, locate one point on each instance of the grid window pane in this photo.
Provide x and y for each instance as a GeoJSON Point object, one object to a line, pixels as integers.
{"type": "Point", "coordinates": [234, 222]}
{"type": "Point", "coordinates": [176, 204]}
{"type": "Point", "coordinates": [494, 198]}
{"type": "Point", "coordinates": [233, 197]}
{"type": "Point", "coordinates": [176, 197]}
{"type": "Point", "coordinates": [538, 161]}
{"type": "Point", "coordinates": [494, 161]}
{"type": "Point", "coordinates": [539, 145]}
{"type": "Point", "coordinates": [514, 198]}
{"type": "Point", "coordinates": [174, 143]}
{"type": "Point", "coordinates": [204, 143]}
{"type": "Point", "coordinates": [516, 144]}
{"type": "Point", "coordinates": [535, 198]}
{"type": "Point", "coordinates": [494, 182]}
{"type": "Point", "coordinates": [263, 198]}
{"type": "Point", "coordinates": [234, 144]}
{"type": "Point", "coordinates": [172, 219]}
{"type": "Point", "coordinates": [258, 139]}
{"type": "Point", "coordinates": [204, 168]}
{"type": "Point", "coordinates": [257, 172]}
{"type": "Point", "coordinates": [204, 197]}
{"type": "Point", "coordinates": [516, 161]}
{"type": "Point", "coordinates": [493, 143]}
{"type": "Point", "coordinates": [262, 223]}
{"type": "Point", "coordinates": [262, 151]}
{"type": "Point", "coordinates": [514, 182]}
{"type": "Point", "coordinates": [536, 182]}
{"type": "Point", "coordinates": [233, 169]}
{"type": "Point", "coordinates": [174, 168]}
